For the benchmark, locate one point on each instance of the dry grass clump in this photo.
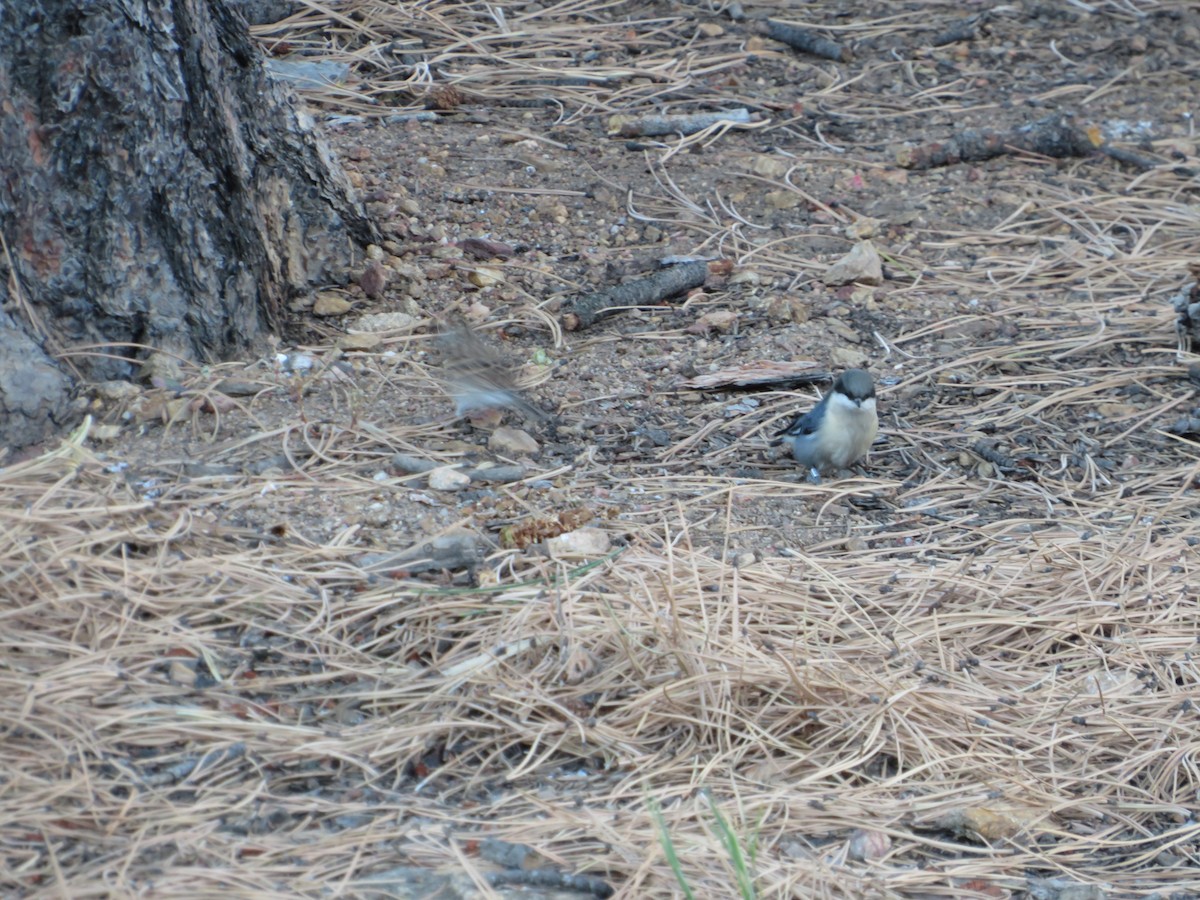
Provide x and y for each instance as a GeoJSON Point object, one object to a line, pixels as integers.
{"type": "Point", "coordinates": [188, 706]}
{"type": "Point", "coordinates": [573, 56]}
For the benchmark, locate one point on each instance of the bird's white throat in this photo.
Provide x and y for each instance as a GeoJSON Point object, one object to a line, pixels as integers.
{"type": "Point", "coordinates": [844, 403]}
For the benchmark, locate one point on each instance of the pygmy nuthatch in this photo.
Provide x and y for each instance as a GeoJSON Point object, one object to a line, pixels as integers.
{"type": "Point", "coordinates": [838, 431]}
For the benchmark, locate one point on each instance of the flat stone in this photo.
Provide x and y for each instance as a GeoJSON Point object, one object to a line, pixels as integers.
{"type": "Point", "coordinates": [513, 441]}
{"type": "Point", "coordinates": [378, 322]}
{"type": "Point", "coordinates": [116, 391]}
{"type": "Point", "coordinates": [448, 479]}
{"type": "Point", "coordinates": [580, 542]}
{"type": "Point", "coordinates": [847, 358]}
{"type": "Point", "coordinates": [330, 304]}
{"type": "Point", "coordinates": [862, 264]}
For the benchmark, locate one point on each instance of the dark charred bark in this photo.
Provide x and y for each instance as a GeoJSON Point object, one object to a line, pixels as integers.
{"type": "Point", "coordinates": [158, 192]}
{"type": "Point", "coordinates": [807, 41]}
{"type": "Point", "coordinates": [675, 279]}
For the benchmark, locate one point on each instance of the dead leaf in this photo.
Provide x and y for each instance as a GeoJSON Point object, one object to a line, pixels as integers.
{"type": "Point", "coordinates": [719, 320]}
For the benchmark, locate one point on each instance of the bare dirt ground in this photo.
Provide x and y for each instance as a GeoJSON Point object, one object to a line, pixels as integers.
{"type": "Point", "coordinates": [966, 670]}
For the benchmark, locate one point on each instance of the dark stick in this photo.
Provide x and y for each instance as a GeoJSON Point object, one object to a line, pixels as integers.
{"type": "Point", "coordinates": [806, 41]}
{"type": "Point", "coordinates": [552, 878]}
{"type": "Point", "coordinates": [962, 30]}
{"type": "Point", "coordinates": [583, 311]}
{"type": "Point", "coordinates": [991, 454]}
{"type": "Point", "coordinates": [689, 123]}
{"type": "Point", "coordinates": [1055, 136]}
{"type": "Point", "coordinates": [1142, 161]}
{"type": "Point", "coordinates": [758, 375]}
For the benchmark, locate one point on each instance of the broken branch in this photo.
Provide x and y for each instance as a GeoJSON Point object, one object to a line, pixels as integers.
{"type": "Point", "coordinates": [1054, 136]}
{"type": "Point", "coordinates": [676, 279]}
{"type": "Point", "coordinates": [656, 126]}
{"type": "Point", "coordinates": [458, 550]}
{"type": "Point", "coordinates": [807, 41]}
{"type": "Point", "coordinates": [760, 374]}
{"type": "Point", "coordinates": [962, 30]}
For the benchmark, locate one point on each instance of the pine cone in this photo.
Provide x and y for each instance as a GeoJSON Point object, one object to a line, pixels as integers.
{"type": "Point", "coordinates": [445, 97]}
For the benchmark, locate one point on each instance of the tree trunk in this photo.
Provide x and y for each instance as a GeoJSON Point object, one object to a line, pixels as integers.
{"type": "Point", "coordinates": [158, 192]}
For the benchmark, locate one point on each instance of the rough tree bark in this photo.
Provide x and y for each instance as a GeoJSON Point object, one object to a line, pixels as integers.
{"type": "Point", "coordinates": [157, 192]}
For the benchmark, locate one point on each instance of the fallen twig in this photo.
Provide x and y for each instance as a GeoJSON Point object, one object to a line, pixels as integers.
{"type": "Point", "coordinates": [655, 288]}
{"type": "Point", "coordinates": [1054, 136]}
{"type": "Point", "coordinates": [762, 373]}
{"type": "Point", "coordinates": [806, 41]}
{"type": "Point", "coordinates": [1144, 162]}
{"type": "Point", "coordinates": [963, 30]}
{"type": "Point", "coordinates": [552, 878]}
{"type": "Point", "coordinates": [655, 126]}
{"type": "Point", "coordinates": [997, 458]}
{"type": "Point", "coordinates": [459, 550]}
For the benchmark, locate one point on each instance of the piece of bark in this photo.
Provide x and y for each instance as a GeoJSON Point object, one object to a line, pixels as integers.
{"type": "Point", "coordinates": [235, 388]}
{"type": "Point", "coordinates": [676, 279]}
{"type": "Point", "coordinates": [989, 452]}
{"type": "Point", "coordinates": [498, 474]}
{"type": "Point", "coordinates": [1057, 136]}
{"type": "Point", "coordinates": [806, 41]}
{"type": "Point", "coordinates": [412, 465]}
{"type": "Point", "coordinates": [962, 30]}
{"type": "Point", "coordinates": [483, 248]}
{"type": "Point", "coordinates": [760, 374]}
{"type": "Point", "coordinates": [373, 279]}
{"type": "Point", "coordinates": [552, 878]}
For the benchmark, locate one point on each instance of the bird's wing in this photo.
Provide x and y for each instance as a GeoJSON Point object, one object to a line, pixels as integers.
{"type": "Point", "coordinates": [803, 424]}
{"type": "Point", "coordinates": [478, 376]}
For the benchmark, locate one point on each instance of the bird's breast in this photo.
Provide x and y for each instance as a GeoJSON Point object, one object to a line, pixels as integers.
{"type": "Point", "coordinates": [848, 433]}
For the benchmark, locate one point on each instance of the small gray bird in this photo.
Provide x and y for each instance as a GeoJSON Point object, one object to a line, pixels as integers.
{"type": "Point", "coordinates": [838, 431]}
{"type": "Point", "coordinates": [477, 377]}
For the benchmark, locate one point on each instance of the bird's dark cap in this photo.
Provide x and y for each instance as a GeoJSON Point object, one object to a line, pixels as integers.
{"type": "Point", "coordinates": [855, 384]}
